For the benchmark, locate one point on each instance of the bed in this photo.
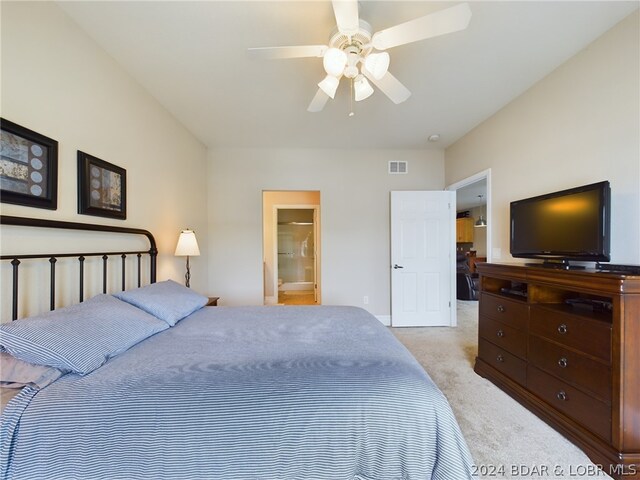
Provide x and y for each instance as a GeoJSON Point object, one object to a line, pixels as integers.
{"type": "Point", "coordinates": [247, 393]}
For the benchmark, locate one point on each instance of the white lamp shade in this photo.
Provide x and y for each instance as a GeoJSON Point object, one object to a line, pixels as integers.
{"type": "Point", "coordinates": [329, 85]}
{"type": "Point", "coordinates": [187, 244]}
{"type": "Point", "coordinates": [334, 61]}
{"type": "Point", "coordinates": [361, 88]}
{"type": "Point", "coordinates": [377, 64]}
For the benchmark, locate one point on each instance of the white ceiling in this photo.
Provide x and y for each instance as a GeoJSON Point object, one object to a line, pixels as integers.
{"type": "Point", "coordinates": [192, 57]}
{"type": "Point", "coordinates": [473, 195]}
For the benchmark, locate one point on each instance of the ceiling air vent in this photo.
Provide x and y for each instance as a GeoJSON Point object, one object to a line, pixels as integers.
{"type": "Point", "coordinates": [396, 167]}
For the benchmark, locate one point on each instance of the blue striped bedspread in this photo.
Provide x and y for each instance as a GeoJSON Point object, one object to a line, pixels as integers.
{"type": "Point", "coordinates": [243, 393]}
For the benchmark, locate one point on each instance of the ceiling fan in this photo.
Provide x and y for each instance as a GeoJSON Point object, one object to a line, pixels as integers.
{"type": "Point", "coordinates": [358, 54]}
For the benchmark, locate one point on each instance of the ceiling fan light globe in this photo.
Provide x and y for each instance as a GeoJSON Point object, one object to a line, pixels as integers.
{"type": "Point", "coordinates": [329, 85]}
{"type": "Point", "coordinates": [377, 64]}
{"type": "Point", "coordinates": [362, 89]}
{"type": "Point", "coordinates": [351, 71]}
{"type": "Point", "coordinates": [334, 61]}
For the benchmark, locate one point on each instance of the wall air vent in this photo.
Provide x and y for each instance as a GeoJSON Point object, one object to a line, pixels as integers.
{"type": "Point", "coordinates": [396, 167]}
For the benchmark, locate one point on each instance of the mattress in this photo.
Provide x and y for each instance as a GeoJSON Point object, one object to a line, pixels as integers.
{"type": "Point", "coordinates": [243, 393]}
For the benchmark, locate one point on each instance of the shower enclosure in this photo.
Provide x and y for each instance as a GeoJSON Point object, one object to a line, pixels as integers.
{"type": "Point", "coordinates": [296, 250]}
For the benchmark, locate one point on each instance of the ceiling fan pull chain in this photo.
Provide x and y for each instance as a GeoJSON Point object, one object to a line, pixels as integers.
{"type": "Point", "coordinates": [351, 112]}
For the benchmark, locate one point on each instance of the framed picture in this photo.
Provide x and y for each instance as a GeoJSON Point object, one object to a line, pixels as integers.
{"type": "Point", "coordinates": [102, 188]}
{"type": "Point", "coordinates": [28, 167]}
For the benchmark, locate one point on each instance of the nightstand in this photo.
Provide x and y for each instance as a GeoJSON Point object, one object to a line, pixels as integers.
{"type": "Point", "coordinates": [213, 302]}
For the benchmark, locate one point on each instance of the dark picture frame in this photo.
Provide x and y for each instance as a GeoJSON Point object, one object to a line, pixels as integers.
{"type": "Point", "coordinates": [102, 188]}
{"type": "Point", "coordinates": [28, 167]}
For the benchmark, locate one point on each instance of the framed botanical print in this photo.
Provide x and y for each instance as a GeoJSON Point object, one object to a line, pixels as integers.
{"type": "Point", "coordinates": [102, 188]}
{"type": "Point", "coordinates": [28, 167]}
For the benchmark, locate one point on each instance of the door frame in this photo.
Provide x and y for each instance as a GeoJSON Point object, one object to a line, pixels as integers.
{"type": "Point", "coordinates": [483, 175]}
{"type": "Point", "coordinates": [316, 246]}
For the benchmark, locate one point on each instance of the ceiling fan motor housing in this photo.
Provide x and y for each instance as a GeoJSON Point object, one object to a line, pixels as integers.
{"type": "Point", "coordinates": [359, 42]}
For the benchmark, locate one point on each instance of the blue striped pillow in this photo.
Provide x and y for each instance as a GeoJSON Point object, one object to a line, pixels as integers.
{"type": "Point", "coordinates": [166, 300]}
{"type": "Point", "coordinates": [81, 337]}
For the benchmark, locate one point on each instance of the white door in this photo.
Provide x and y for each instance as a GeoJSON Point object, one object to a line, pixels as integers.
{"type": "Point", "coordinates": [422, 251]}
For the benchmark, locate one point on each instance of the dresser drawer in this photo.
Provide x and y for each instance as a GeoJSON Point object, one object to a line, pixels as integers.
{"type": "Point", "coordinates": [584, 334]}
{"type": "Point", "coordinates": [501, 360]}
{"type": "Point", "coordinates": [584, 409]}
{"type": "Point", "coordinates": [500, 334]}
{"type": "Point", "coordinates": [505, 310]}
{"type": "Point", "coordinates": [568, 365]}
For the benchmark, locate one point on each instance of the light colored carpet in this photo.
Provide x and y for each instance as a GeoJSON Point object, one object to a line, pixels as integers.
{"type": "Point", "coordinates": [505, 439]}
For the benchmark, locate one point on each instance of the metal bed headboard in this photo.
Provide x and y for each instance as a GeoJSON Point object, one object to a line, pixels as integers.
{"type": "Point", "coordinates": [53, 257]}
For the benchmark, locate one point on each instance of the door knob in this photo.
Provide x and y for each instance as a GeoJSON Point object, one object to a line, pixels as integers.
{"type": "Point", "coordinates": [396, 266]}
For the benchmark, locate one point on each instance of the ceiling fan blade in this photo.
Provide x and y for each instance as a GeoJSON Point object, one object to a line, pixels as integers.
{"type": "Point", "coordinates": [319, 101]}
{"type": "Point", "coordinates": [346, 12]}
{"type": "Point", "coordinates": [289, 52]}
{"type": "Point", "coordinates": [390, 86]}
{"type": "Point", "coordinates": [445, 21]}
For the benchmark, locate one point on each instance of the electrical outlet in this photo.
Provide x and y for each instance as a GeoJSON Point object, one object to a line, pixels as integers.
{"type": "Point", "coordinates": [365, 300]}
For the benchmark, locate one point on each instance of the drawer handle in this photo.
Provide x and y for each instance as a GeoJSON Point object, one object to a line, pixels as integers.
{"type": "Point", "coordinates": [562, 329]}
{"type": "Point", "coordinates": [562, 396]}
{"type": "Point", "coordinates": [501, 308]}
{"type": "Point", "coordinates": [500, 333]}
{"type": "Point", "coordinates": [563, 362]}
{"type": "Point", "coordinates": [500, 358]}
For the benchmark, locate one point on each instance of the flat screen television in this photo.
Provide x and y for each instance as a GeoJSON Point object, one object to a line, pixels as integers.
{"type": "Point", "coordinates": [572, 224]}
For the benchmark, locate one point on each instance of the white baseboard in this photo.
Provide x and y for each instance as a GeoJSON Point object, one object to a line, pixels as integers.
{"type": "Point", "coordinates": [384, 319]}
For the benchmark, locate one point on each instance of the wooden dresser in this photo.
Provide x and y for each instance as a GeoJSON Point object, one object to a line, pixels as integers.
{"type": "Point", "coordinates": [577, 368]}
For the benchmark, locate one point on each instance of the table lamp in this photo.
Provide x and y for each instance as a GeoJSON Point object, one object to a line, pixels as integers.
{"type": "Point", "coordinates": [187, 247]}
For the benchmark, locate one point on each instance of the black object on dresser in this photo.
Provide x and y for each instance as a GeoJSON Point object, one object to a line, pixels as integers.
{"type": "Point", "coordinates": [577, 368]}
{"type": "Point", "coordinates": [618, 268]}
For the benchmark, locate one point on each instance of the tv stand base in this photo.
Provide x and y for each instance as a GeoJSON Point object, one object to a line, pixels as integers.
{"type": "Point", "coordinates": [558, 265]}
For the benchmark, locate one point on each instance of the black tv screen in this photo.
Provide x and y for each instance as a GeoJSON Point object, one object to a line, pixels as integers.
{"type": "Point", "coordinates": [571, 224]}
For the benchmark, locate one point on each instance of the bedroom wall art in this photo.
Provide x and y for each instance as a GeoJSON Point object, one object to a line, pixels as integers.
{"type": "Point", "coordinates": [28, 167]}
{"type": "Point", "coordinates": [102, 188]}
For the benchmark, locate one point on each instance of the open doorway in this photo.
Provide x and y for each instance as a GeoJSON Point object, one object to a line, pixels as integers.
{"type": "Point", "coordinates": [473, 232]}
{"type": "Point", "coordinates": [291, 247]}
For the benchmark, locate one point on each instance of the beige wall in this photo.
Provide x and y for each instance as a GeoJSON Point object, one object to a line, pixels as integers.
{"type": "Point", "coordinates": [354, 187]}
{"type": "Point", "coordinates": [269, 200]}
{"type": "Point", "coordinates": [579, 125]}
{"type": "Point", "coordinates": [58, 82]}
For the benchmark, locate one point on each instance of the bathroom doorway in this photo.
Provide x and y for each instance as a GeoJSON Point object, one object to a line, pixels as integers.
{"type": "Point", "coordinates": [291, 247]}
{"type": "Point", "coordinates": [296, 256]}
